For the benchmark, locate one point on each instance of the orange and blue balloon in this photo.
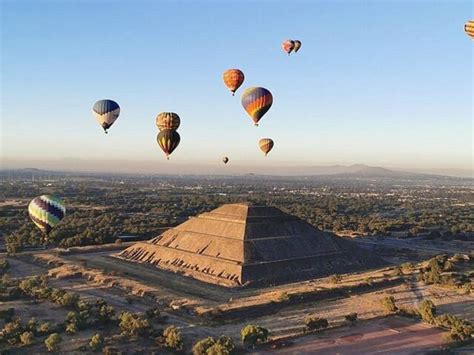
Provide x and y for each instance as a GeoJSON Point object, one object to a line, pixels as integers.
{"type": "Point", "coordinates": [257, 101]}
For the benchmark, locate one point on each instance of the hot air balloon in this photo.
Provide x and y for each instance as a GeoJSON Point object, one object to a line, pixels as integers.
{"type": "Point", "coordinates": [297, 46]}
{"type": "Point", "coordinates": [168, 140]}
{"type": "Point", "coordinates": [288, 46]}
{"type": "Point", "coordinates": [106, 112]}
{"type": "Point", "coordinates": [46, 212]}
{"type": "Point", "coordinates": [265, 144]}
{"type": "Point", "coordinates": [167, 120]}
{"type": "Point", "coordinates": [225, 160]}
{"type": "Point", "coordinates": [233, 78]}
{"type": "Point", "coordinates": [257, 101]}
{"type": "Point", "coordinates": [469, 28]}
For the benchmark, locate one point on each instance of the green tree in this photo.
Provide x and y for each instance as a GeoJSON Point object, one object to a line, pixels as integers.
{"type": "Point", "coordinates": [217, 349]}
{"type": "Point", "coordinates": [200, 348]}
{"type": "Point", "coordinates": [133, 325]}
{"type": "Point", "coordinates": [105, 312]}
{"type": "Point", "coordinates": [427, 311]}
{"type": "Point", "coordinates": [313, 322]}
{"type": "Point", "coordinates": [27, 338]}
{"type": "Point", "coordinates": [96, 342]}
{"type": "Point", "coordinates": [52, 342]}
{"type": "Point", "coordinates": [253, 334]}
{"type": "Point", "coordinates": [173, 338]}
{"type": "Point", "coordinates": [209, 345]}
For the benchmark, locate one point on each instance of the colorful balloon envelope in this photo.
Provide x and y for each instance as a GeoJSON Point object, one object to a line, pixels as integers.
{"type": "Point", "coordinates": [257, 101]}
{"type": "Point", "coordinates": [266, 145]}
{"type": "Point", "coordinates": [233, 78]}
{"type": "Point", "coordinates": [167, 120]}
{"type": "Point", "coordinates": [46, 212]}
{"type": "Point", "coordinates": [225, 160]}
{"type": "Point", "coordinates": [469, 28]}
{"type": "Point", "coordinates": [288, 46]}
{"type": "Point", "coordinates": [106, 113]}
{"type": "Point", "coordinates": [297, 46]}
{"type": "Point", "coordinates": [168, 140]}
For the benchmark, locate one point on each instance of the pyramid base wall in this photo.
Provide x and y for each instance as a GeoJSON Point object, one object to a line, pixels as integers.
{"type": "Point", "coordinates": [204, 268]}
{"type": "Point", "coordinates": [306, 268]}
{"type": "Point", "coordinates": [231, 274]}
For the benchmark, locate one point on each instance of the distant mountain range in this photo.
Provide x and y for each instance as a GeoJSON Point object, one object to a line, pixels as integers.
{"type": "Point", "coordinates": [342, 171]}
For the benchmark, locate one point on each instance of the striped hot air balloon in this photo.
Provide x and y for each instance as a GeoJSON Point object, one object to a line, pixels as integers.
{"type": "Point", "coordinates": [469, 28]}
{"type": "Point", "coordinates": [46, 212]}
{"type": "Point", "coordinates": [257, 101]}
{"type": "Point", "coordinates": [225, 160]}
{"type": "Point", "coordinates": [297, 46]}
{"type": "Point", "coordinates": [168, 140]}
{"type": "Point", "coordinates": [106, 112]}
{"type": "Point", "coordinates": [233, 78]}
{"type": "Point", "coordinates": [266, 145]}
{"type": "Point", "coordinates": [168, 120]}
{"type": "Point", "coordinates": [288, 46]}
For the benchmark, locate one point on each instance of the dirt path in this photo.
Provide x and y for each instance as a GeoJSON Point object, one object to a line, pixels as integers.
{"type": "Point", "coordinates": [23, 268]}
{"type": "Point", "coordinates": [392, 335]}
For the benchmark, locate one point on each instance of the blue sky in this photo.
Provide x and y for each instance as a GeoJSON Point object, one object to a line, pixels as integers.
{"type": "Point", "coordinates": [378, 82]}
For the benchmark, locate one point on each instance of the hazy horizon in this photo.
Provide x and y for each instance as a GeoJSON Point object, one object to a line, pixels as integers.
{"type": "Point", "coordinates": [213, 168]}
{"type": "Point", "coordinates": [378, 83]}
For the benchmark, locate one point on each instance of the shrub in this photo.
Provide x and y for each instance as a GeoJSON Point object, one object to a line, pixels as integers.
{"type": "Point", "coordinates": [71, 328]}
{"type": "Point", "coordinates": [460, 330]}
{"type": "Point", "coordinates": [52, 342]}
{"type": "Point", "coordinates": [105, 312]}
{"type": "Point", "coordinates": [312, 322]}
{"type": "Point", "coordinates": [133, 325]}
{"type": "Point", "coordinates": [7, 280]}
{"type": "Point", "coordinates": [200, 348]}
{"type": "Point", "coordinates": [96, 342]}
{"type": "Point", "coordinates": [27, 338]}
{"type": "Point", "coordinates": [217, 349]}
{"type": "Point", "coordinates": [427, 311]}
{"type": "Point", "coordinates": [226, 342]}
{"type": "Point", "coordinates": [388, 303]}
{"type": "Point", "coordinates": [351, 317]}
{"type": "Point", "coordinates": [173, 338]}
{"type": "Point", "coordinates": [408, 312]}
{"type": "Point", "coordinates": [11, 331]}
{"type": "Point", "coordinates": [253, 334]}
{"type": "Point", "coordinates": [69, 300]}
{"type": "Point", "coordinates": [335, 279]}
{"type": "Point", "coordinates": [44, 328]}
{"type": "Point", "coordinates": [32, 324]}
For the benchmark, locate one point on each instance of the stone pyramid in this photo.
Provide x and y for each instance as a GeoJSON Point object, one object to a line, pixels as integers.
{"type": "Point", "coordinates": [240, 244]}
